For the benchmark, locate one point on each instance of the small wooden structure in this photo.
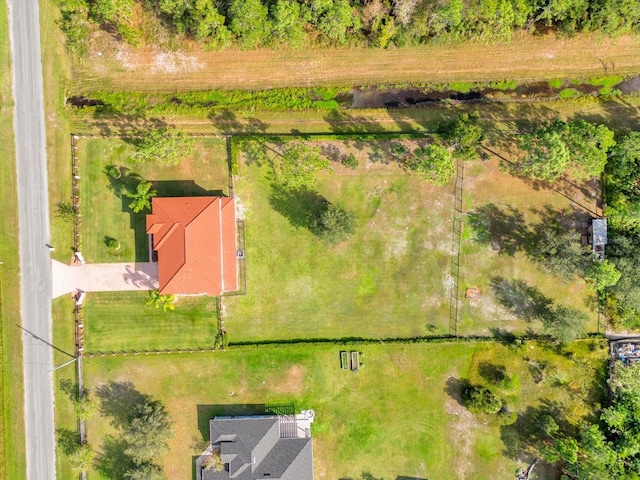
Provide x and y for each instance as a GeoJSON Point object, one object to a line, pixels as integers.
{"type": "Point", "coordinates": [355, 361]}
{"type": "Point", "coordinates": [344, 360]}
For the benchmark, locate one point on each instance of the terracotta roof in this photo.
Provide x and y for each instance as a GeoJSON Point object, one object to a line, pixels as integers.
{"type": "Point", "coordinates": [195, 239]}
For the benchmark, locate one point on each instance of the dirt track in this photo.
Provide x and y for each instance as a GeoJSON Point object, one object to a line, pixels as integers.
{"type": "Point", "coordinates": [526, 58]}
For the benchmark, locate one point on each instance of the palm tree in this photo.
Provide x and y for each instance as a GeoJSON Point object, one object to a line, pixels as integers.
{"type": "Point", "coordinates": [141, 199]}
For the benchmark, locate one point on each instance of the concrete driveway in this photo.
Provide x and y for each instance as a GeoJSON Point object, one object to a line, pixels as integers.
{"type": "Point", "coordinates": [103, 277]}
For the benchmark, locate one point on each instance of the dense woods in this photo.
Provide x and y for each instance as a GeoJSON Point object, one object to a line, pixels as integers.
{"type": "Point", "coordinates": [376, 23]}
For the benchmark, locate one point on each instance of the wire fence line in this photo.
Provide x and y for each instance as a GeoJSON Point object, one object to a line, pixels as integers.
{"type": "Point", "coordinates": [456, 236]}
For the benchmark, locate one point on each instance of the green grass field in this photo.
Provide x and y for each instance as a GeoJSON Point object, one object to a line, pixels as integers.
{"type": "Point", "coordinates": [399, 416]}
{"type": "Point", "coordinates": [116, 321]}
{"type": "Point", "coordinates": [393, 277]}
{"type": "Point", "coordinates": [517, 207]}
{"type": "Point", "coordinates": [387, 280]}
{"type": "Point", "coordinates": [105, 209]}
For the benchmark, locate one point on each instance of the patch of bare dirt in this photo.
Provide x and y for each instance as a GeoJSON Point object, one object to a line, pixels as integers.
{"type": "Point", "coordinates": [463, 426]}
{"type": "Point", "coordinates": [293, 381]}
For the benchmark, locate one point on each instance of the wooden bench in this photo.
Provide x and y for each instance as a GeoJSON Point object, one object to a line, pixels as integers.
{"type": "Point", "coordinates": [344, 360]}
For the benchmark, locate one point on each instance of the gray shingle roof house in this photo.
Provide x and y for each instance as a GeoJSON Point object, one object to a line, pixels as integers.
{"type": "Point", "coordinates": [275, 447]}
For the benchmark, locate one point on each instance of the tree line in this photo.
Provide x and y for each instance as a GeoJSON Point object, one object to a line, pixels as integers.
{"type": "Point", "coordinates": [376, 23]}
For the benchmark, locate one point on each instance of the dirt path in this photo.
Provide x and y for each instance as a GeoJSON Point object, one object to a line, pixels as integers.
{"type": "Point", "coordinates": [112, 65]}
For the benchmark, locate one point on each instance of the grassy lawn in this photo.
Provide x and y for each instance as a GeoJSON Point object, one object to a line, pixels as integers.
{"type": "Point", "coordinates": [387, 280]}
{"type": "Point", "coordinates": [106, 211]}
{"type": "Point", "coordinates": [56, 72]}
{"type": "Point", "coordinates": [518, 206]}
{"type": "Point", "coordinates": [112, 65]}
{"type": "Point", "coordinates": [117, 321]}
{"type": "Point", "coordinates": [406, 401]}
{"type": "Point", "coordinates": [392, 278]}
{"type": "Point", "coordinates": [63, 338]}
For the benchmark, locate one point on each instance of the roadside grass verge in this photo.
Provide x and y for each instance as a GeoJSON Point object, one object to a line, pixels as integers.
{"type": "Point", "coordinates": [114, 66]}
{"type": "Point", "coordinates": [104, 208]}
{"type": "Point", "coordinates": [56, 72]}
{"type": "Point", "coordinates": [65, 417]}
{"type": "Point", "coordinates": [117, 321]}
{"type": "Point", "coordinates": [407, 396]}
{"type": "Point", "coordinates": [12, 433]}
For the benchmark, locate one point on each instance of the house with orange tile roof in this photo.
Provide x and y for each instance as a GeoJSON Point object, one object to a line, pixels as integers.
{"type": "Point", "coordinates": [194, 241]}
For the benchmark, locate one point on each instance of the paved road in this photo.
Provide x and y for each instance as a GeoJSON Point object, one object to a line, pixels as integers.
{"type": "Point", "coordinates": [35, 264]}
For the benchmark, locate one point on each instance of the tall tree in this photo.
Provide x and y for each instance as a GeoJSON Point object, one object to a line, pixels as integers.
{"type": "Point", "coordinates": [164, 145]}
{"type": "Point", "coordinates": [434, 163]}
{"type": "Point", "coordinates": [248, 21]}
{"type": "Point", "coordinates": [544, 156]}
{"type": "Point", "coordinates": [147, 433]}
{"type": "Point", "coordinates": [465, 135]}
{"type": "Point", "coordinates": [297, 166]}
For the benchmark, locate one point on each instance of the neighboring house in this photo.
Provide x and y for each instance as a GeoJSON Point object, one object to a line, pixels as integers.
{"type": "Point", "coordinates": [276, 447]}
{"type": "Point", "coordinates": [599, 236]}
{"type": "Point", "coordinates": [194, 241]}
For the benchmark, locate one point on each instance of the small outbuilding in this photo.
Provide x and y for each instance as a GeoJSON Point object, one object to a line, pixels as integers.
{"type": "Point", "coordinates": [598, 236]}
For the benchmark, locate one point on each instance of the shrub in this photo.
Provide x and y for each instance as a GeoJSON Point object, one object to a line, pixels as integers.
{"type": "Point", "coordinates": [334, 225]}
{"type": "Point", "coordinates": [113, 171]}
{"type": "Point", "coordinates": [350, 161]}
{"type": "Point", "coordinates": [479, 399]}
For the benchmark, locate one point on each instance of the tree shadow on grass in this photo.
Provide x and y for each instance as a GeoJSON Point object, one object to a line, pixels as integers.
{"type": "Point", "coordinates": [119, 400]}
{"type": "Point", "coordinates": [207, 412]}
{"type": "Point", "coordinates": [300, 207]}
{"type": "Point", "coordinates": [182, 188]}
{"type": "Point", "coordinates": [67, 440]}
{"type": "Point", "coordinates": [125, 183]}
{"type": "Point", "coordinates": [523, 301]}
{"type": "Point", "coordinates": [363, 476]}
{"type": "Point", "coordinates": [504, 228]}
{"type": "Point", "coordinates": [523, 439]}
{"type": "Point", "coordinates": [138, 223]}
{"type": "Point", "coordinates": [455, 387]}
{"type": "Point", "coordinates": [228, 122]}
{"type": "Point", "coordinates": [112, 461]}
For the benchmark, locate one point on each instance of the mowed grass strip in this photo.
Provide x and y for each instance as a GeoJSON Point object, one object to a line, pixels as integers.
{"type": "Point", "coordinates": [116, 321]}
{"type": "Point", "coordinates": [527, 57]}
{"type": "Point", "coordinates": [387, 280]}
{"type": "Point", "coordinates": [399, 416]}
{"type": "Point", "coordinates": [105, 208]}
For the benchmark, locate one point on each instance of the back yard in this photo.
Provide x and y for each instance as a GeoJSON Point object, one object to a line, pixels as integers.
{"type": "Point", "coordinates": [399, 417]}
{"type": "Point", "coordinates": [393, 277]}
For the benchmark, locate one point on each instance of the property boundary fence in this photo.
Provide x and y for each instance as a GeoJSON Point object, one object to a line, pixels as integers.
{"type": "Point", "coordinates": [456, 236]}
{"type": "Point", "coordinates": [75, 185]}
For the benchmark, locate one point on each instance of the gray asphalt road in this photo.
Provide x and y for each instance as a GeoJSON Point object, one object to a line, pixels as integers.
{"type": "Point", "coordinates": [35, 263]}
